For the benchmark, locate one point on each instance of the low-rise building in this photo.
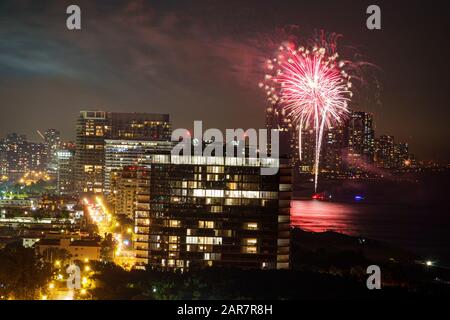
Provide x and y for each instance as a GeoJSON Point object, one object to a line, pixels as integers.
{"type": "Point", "coordinates": [83, 250]}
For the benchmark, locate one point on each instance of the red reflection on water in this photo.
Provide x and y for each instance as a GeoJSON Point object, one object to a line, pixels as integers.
{"type": "Point", "coordinates": [319, 216]}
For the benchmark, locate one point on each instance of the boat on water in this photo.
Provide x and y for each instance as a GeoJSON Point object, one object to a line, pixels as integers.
{"type": "Point", "coordinates": [324, 196]}
{"type": "Point", "coordinates": [321, 196]}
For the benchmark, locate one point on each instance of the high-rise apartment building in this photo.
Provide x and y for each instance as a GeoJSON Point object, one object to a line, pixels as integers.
{"type": "Point", "coordinates": [17, 155]}
{"type": "Point", "coordinates": [140, 126]}
{"type": "Point", "coordinates": [197, 211]}
{"type": "Point", "coordinates": [276, 120]}
{"type": "Point", "coordinates": [52, 138]}
{"type": "Point", "coordinates": [37, 156]}
{"type": "Point", "coordinates": [3, 161]}
{"type": "Point", "coordinates": [66, 169]}
{"type": "Point", "coordinates": [385, 152]}
{"type": "Point", "coordinates": [94, 127]}
{"type": "Point", "coordinates": [125, 186]}
{"type": "Point", "coordinates": [360, 140]}
{"type": "Point", "coordinates": [391, 155]}
{"type": "Point", "coordinates": [121, 153]}
{"type": "Point", "coordinates": [308, 145]}
{"type": "Point", "coordinates": [332, 149]}
{"type": "Point", "coordinates": [401, 151]}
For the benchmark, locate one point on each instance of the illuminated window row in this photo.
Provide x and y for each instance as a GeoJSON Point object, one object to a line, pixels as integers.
{"type": "Point", "coordinates": [204, 240]}
{"type": "Point", "coordinates": [235, 194]}
{"type": "Point", "coordinates": [202, 160]}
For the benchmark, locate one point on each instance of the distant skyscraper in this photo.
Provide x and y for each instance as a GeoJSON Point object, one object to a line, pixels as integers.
{"type": "Point", "coordinates": [385, 152]}
{"type": "Point", "coordinates": [308, 150]}
{"type": "Point", "coordinates": [3, 161]}
{"type": "Point", "coordinates": [140, 126]}
{"type": "Point", "coordinates": [37, 155]}
{"type": "Point", "coordinates": [333, 145]}
{"type": "Point", "coordinates": [16, 154]}
{"type": "Point", "coordinates": [66, 169]}
{"type": "Point", "coordinates": [52, 138]}
{"type": "Point", "coordinates": [277, 120]}
{"type": "Point", "coordinates": [93, 127]}
{"type": "Point", "coordinates": [333, 142]}
{"type": "Point", "coordinates": [360, 140]}
{"type": "Point", "coordinates": [401, 152]}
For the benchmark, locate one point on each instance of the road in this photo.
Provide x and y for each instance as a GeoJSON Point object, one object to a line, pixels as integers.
{"type": "Point", "coordinates": [107, 224]}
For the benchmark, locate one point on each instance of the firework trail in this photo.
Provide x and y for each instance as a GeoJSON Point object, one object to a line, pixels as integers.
{"type": "Point", "coordinates": [313, 86]}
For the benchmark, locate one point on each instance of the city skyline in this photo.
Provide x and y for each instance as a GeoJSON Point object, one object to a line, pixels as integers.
{"type": "Point", "coordinates": [287, 146]}
{"type": "Point", "coordinates": [64, 72]}
{"type": "Point", "coordinates": [248, 151]}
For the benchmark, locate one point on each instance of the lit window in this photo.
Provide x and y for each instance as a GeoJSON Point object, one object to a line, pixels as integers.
{"type": "Point", "coordinates": [250, 241]}
{"type": "Point", "coordinates": [249, 249]}
{"type": "Point", "coordinates": [251, 226]}
{"type": "Point", "coordinates": [174, 223]}
{"type": "Point", "coordinates": [232, 185]}
{"type": "Point", "coordinates": [173, 239]}
{"type": "Point", "coordinates": [206, 224]}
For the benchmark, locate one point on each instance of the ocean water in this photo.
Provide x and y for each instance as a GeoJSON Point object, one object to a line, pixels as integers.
{"type": "Point", "coordinates": [414, 216]}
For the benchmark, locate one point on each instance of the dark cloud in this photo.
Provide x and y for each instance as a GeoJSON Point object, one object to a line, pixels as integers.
{"type": "Point", "coordinates": [201, 60]}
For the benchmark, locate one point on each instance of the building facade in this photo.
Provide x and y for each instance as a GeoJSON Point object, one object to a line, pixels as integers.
{"type": "Point", "coordinates": [333, 146]}
{"type": "Point", "coordinates": [140, 126]}
{"type": "Point", "coordinates": [391, 155]}
{"type": "Point", "coordinates": [17, 156]}
{"type": "Point", "coordinates": [196, 211]}
{"type": "Point", "coordinates": [66, 170]}
{"type": "Point", "coordinates": [94, 127]}
{"type": "Point", "coordinates": [122, 153]}
{"type": "Point", "coordinates": [3, 162]}
{"type": "Point", "coordinates": [124, 197]}
{"type": "Point", "coordinates": [401, 151]}
{"type": "Point", "coordinates": [276, 120]}
{"type": "Point", "coordinates": [52, 138]}
{"type": "Point", "coordinates": [37, 156]}
{"type": "Point", "coordinates": [385, 152]}
{"type": "Point", "coordinates": [77, 250]}
{"type": "Point", "coordinates": [360, 141]}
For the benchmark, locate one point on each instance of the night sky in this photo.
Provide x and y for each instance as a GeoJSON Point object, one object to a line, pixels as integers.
{"type": "Point", "coordinates": [202, 60]}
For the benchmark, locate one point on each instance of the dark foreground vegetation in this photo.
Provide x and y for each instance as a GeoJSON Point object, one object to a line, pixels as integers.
{"type": "Point", "coordinates": [324, 266]}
